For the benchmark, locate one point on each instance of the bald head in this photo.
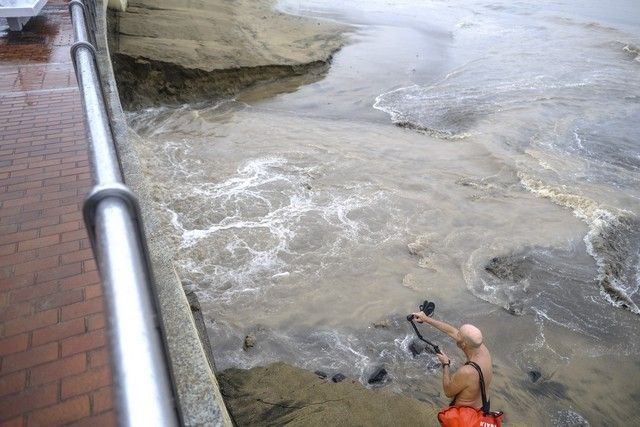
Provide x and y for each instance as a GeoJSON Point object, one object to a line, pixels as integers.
{"type": "Point", "coordinates": [471, 335]}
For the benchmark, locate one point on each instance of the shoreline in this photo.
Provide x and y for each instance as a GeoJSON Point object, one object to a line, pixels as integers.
{"type": "Point", "coordinates": [280, 394]}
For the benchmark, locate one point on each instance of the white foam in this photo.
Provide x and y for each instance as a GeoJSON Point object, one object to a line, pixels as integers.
{"type": "Point", "coordinates": [540, 345]}
{"type": "Point", "coordinates": [567, 417]}
{"type": "Point", "coordinates": [576, 138]}
{"type": "Point", "coordinates": [633, 51]}
{"type": "Point", "coordinates": [599, 219]}
{"type": "Point", "coordinates": [268, 214]}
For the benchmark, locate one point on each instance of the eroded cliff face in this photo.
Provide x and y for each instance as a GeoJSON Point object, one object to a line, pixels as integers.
{"type": "Point", "coordinates": [143, 82]}
{"type": "Point", "coordinates": [173, 51]}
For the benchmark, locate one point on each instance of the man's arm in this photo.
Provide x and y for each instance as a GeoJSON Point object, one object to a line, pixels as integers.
{"type": "Point", "coordinates": [420, 317]}
{"type": "Point", "coordinates": [453, 384]}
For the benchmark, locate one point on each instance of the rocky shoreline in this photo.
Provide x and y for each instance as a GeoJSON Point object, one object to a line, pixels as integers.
{"type": "Point", "coordinates": [280, 394]}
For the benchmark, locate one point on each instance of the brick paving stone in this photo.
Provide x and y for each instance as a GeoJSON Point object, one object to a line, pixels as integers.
{"type": "Point", "coordinates": [98, 358]}
{"type": "Point", "coordinates": [59, 299]}
{"type": "Point", "coordinates": [32, 357]}
{"type": "Point", "coordinates": [58, 369]}
{"type": "Point", "coordinates": [83, 383]}
{"type": "Point", "coordinates": [4, 299]}
{"type": "Point", "coordinates": [83, 343]}
{"type": "Point", "coordinates": [95, 321]}
{"type": "Point", "coordinates": [106, 419]}
{"type": "Point", "coordinates": [27, 400]}
{"type": "Point", "coordinates": [16, 422]}
{"type": "Point", "coordinates": [13, 258]}
{"type": "Point", "coordinates": [58, 331]}
{"type": "Point", "coordinates": [30, 323]}
{"type": "Point", "coordinates": [102, 400]}
{"type": "Point", "coordinates": [12, 383]}
{"type": "Point", "coordinates": [14, 344]}
{"type": "Point", "coordinates": [54, 359]}
{"type": "Point", "coordinates": [92, 292]}
{"type": "Point", "coordinates": [15, 311]}
{"type": "Point", "coordinates": [82, 309]}
{"type": "Point", "coordinates": [61, 414]}
{"type": "Point", "coordinates": [32, 292]}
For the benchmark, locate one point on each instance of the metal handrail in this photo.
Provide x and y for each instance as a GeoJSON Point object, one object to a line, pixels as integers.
{"type": "Point", "coordinates": [143, 391]}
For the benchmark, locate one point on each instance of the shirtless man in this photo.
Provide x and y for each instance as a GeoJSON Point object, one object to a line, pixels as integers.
{"type": "Point", "coordinates": [464, 385]}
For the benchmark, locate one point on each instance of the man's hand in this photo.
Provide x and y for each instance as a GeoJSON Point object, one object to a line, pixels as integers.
{"type": "Point", "coordinates": [443, 358]}
{"type": "Point", "coordinates": [420, 317]}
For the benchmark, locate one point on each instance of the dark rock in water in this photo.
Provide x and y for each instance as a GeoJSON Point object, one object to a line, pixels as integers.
{"type": "Point", "coordinates": [337, 378]}
{"type": "Point", "coordinates": [417, 347]}
{"type": "Point", "coordinates": [534, 375]}
{"type": "Point", "coordinates": [249, 342]}
{"type": "Point", "coordinates": [378, 376]}
{"type": "Point", "coordinates": [548, 388]}
{"type": "Point", "coordinates": [433, 364]}
{"type": "Point", "coordinates": [321, 374]}
{"type": "Point", "coordinates": [509, 267]}
{"type": "Point", "coordinates": [516, 308]}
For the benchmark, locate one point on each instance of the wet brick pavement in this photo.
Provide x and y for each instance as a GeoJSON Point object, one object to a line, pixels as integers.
{"type": "Point", "coordinates": [54, 365]}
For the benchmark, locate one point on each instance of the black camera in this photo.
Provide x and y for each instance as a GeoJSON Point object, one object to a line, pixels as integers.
{"type": "Point", "coordinates": [426, 307]}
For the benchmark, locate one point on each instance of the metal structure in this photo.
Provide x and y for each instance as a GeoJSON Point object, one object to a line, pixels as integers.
{"type": "Point", "coordinates": [143, 389]}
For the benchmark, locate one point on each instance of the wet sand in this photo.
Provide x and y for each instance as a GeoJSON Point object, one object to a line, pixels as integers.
{"type": "Point", "coordinates": [216, 34]}
{"type": "Point", "coordinates": [280, 394]}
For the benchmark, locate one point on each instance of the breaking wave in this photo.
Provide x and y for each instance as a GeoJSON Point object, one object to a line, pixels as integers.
{"type": "Point", "coordinates": [453, 107]}
{"type": "Point", "coordinates": [406, 108]}
{"type": "Point", "coordinates": [612, 241]}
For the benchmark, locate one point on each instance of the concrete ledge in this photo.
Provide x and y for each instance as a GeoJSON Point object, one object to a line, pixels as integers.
{"type": "Point", "coordinates": [195, 385]}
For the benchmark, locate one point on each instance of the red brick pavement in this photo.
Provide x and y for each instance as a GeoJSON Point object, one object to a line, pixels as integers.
{"type": "Point", "coordinates": [54, 365]}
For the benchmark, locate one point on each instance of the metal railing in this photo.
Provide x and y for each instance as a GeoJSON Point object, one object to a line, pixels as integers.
{"type": "Point", "coordinates": [142, 387]}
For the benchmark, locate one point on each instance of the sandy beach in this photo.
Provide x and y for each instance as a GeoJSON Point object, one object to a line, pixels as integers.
{"type": "Point", "coordinates": [216, 34]}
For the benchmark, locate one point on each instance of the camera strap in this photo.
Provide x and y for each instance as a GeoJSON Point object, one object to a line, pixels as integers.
{"type": "Point", "coordinates": [435, 348]}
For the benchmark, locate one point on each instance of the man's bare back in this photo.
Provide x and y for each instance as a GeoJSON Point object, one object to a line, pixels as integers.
{"type": "Point", "coordinates": [470, 394]}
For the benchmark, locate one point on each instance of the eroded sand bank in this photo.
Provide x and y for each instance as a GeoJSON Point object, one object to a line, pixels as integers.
{"type": "Point", "coordinates": [170, 51]}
